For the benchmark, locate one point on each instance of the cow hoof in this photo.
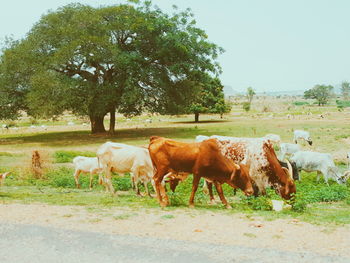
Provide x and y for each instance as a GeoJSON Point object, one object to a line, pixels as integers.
{"type": "Point", "coordinates": [212, 202]}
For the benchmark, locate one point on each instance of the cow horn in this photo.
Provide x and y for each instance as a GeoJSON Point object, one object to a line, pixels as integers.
{"type": "Point", "coordinates": [290, 169]}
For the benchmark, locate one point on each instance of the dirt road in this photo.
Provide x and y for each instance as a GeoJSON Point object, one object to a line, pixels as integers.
{"type": "Point", "coordinates": [44, 233]}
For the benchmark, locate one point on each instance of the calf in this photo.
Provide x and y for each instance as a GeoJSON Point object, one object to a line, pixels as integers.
{"type": "Point", "coordinates": [88, 165]}
{"type": "Point", "coordinates": [288, 149]}
{"type": "Point", "coordinates": [202, 159]}
{"type": "Point", "coordinates": [315, 161]}
{"type": "Point", "coordinates": [123, 158]}
{"type": "Point", "coordinates": [302, 135]}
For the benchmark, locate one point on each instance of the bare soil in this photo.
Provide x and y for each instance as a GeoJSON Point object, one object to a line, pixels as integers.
{"type": "Point", "coordinates": [187, 224]}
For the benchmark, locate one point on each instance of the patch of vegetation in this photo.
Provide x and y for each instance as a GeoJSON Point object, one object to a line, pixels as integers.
{"type": "Point", "coordinates": [300, 103]}
{"type": "Point", "coordinates": [68, 156]}
{"type": "Point", "coordinates": [167, 216]}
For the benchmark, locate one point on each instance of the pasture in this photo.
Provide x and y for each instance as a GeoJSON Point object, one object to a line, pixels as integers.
{"type": "Point", "coordinates": [59, 143]}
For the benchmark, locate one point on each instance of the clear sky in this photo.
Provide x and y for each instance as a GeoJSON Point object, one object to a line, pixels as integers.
{"type": "Point", "coordinates": [271, 45]}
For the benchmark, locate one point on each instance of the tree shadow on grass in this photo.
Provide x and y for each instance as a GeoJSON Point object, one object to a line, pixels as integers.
{"type": "Point", "coordinates": [76, 138]}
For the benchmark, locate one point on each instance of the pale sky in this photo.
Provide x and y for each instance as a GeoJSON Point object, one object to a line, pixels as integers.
{"type": "Point", "coordinates": [271, 45]}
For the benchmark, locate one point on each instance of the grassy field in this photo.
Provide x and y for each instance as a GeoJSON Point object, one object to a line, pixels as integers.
{"type": "Point", "coordinates": [59, 143]}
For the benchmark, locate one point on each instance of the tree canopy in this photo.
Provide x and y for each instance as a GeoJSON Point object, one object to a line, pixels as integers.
{"type": "Point", "coordinates": [345, 90]}
{"type": "Point", "coordinates": [93, 61]}
{"type": "Point", "coordinates": [321, 93]}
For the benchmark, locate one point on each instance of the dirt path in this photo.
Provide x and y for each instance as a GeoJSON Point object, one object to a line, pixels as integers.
{"type": "Point", "coordinates": [187, 225]}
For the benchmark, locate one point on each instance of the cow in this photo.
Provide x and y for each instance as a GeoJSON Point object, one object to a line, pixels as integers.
{"type": "Point", "coordinates": [315, 161]}
{"type": "Point", "coordinates": [345, 176]}
{"type": "Point", "coordinates": [273, 138]}
{"type": "Point", "coordinates": [88, 165]}
{"type": "Point", "coordinates": [123, 158]}
{"type": "Point", "coordinates": [288, 149]}
{"type": "Point", "coordinates": [202, 160]}
{"type": "Point", "coordinates": [264, 167]}
{"type": "Point", "coordinates": [3, 177]}
{"type": "Point", "coordinates": [302, 135]}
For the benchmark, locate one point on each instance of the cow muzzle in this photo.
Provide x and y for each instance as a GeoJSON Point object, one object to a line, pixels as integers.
{"type": "Point", "coordinates": [310, 142]}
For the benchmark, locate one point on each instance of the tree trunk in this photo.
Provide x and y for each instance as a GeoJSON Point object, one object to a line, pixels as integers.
{"type": "Point", "coordinates": [97, 124]}
{"type": "Point", "coordinates": [112, 121]}
{"type": "Point", "coordinates": [196, 117]}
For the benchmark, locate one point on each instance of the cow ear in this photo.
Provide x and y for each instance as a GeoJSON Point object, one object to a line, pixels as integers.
{"type": "Point", "coordinates": [235, 173]}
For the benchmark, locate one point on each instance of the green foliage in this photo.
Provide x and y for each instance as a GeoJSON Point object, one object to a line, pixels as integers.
{"type": "Point", "coordinates": [342, 103]}
{"type": "Point", "coordinates": [209, 96]}
{"type": "Point", "coordinates": [258, 203]}
{"type": "Point", "coordinates": [68, 156]}
{"type": "Point", "coordinates": [300, 103]}
{"type": "Point", "coordinates": [321, 93]}
{"type": "Point", "coordinates": [129, 57]}
{"type": "Point", "coordinates": [122, 183]}
{"type": "Point", "coordinates": [246, 106]}
{"type": "Point", "coordinates": [250, 94]}
{"type": "Point", "coordinates": [299, 203]}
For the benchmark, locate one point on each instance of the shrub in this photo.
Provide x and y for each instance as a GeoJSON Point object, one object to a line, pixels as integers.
{"type": "Point", "coordinates": [246, 106]}
{"type": "Point", "coordinates": [68, 156]}
{"type": "Point", "coordinates": [299, 203]}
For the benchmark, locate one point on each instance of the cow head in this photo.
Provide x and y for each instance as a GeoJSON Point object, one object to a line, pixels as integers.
{"type": "Point", "coordinates": [335, 174]}
{"type": "Point", "coordinates": [287, 187]}
{"type": "Point", "coordinates": [240, 178]}
{"type": "Point", "coordinates": [309, 141]}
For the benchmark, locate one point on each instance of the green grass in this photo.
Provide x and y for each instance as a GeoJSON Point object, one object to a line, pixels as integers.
{"type": "Point", "coordinates": [68, 156]}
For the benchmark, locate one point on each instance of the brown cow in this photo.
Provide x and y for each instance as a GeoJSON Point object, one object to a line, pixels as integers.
{"type": "Point", "coordinates": [202, 159]}
{"type": "Point", "coordinates": [265, 169]}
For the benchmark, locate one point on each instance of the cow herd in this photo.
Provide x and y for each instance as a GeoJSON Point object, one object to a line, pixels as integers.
{"type": "Point", "coordinates": [249, 164]}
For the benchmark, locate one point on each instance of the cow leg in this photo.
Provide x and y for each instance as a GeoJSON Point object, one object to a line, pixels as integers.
{"type": "Point", "coordinates": [318, 177]}
{"type": "Point", "coordinates": [145, 183]}
{"type": "Point", "coordinates": [91, 177]}
{"type": "Point", "coordinates": [195, 183]}
{"type": "Point", "coordinates": [158, 182]}
{"type": "Point", "coordinates": [76, 178]}
{"type": "Point", "coordinates": [132, 181]}
{"type": "Point", "coordinates": [210, 190]}
{"type": "Point", "coordinates": [108, 180]}
{"type": "Point", "coordinates": [221, 195]}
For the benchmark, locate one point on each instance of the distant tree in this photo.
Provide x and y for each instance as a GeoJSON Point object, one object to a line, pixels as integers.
{"type": "Point", "coordinates": [345, 90]}
{"type": "Point", "coordinates": [246, 106]}
{"type": "Point", "coordinates": [321, 93]}
{"type": "Point", "coordinates": [128, 58]}
{"type": "Point", "coordinates": [209, 98]}
{"type": "Point", "coordinates": [250, 94]}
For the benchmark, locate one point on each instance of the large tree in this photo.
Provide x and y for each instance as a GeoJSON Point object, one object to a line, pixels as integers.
{"type": "Point", "coordinates": [321, 93]}
{"type": "Point", "coordinates": [209, 97]}
{"type": "Point", "coordinates": [93, 61]}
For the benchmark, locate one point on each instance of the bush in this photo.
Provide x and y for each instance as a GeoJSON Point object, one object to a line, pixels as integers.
{"type": "Point", "coordinates": [68, 156]}
{"type": "Point", "coordinates": [342, 103]}
{"type": "Point", "coordinates": [299, 203]}
{"type": "Point", "coordinates": [246, 106]}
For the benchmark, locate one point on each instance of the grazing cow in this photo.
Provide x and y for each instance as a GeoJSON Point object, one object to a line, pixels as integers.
{"type": "Point", "coordinates": [88, 165]}
{"type": "Point", "coordinates": [202, 159]}
{"type": "Point", "coordinates": [345, 176]}
{"type": "Point", "coordinates": [123, 158]}
{"type": "Point", "coordinates": [3, 177]}
{"type": "Point", "coordinates": [174, 179]}
{"type": "Point", "coordinates": [315, 161]}
{"type": "Point", "coordinates": [302, 135]}
{"type": "Point", "coordinates": [265, 169]}
{"type": "Point", "coordinates": [288, 149]}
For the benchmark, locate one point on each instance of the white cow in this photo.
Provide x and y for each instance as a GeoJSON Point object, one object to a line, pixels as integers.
{"type": "Point", "coordinates": [315, 161]}
{"type": "Point", "coordinates": [88, 165]}
{"type": "Point", "coordinates": [302, 135]}
{"type": "Point", "coordinates": [273, 138]}
{"type": "Point", "coordinates": [123, 158]}
{"type": "Point", "coordinates": [3, 177]}
{"type": "Point", "coordinates": [288, 149]}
